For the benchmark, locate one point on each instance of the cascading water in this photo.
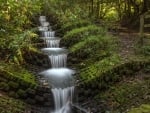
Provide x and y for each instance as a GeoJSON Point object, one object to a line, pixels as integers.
{"type": "Point", "coordinates": [57, 56]}
{"type": "Point", "coordinates": [49, 34]}
{"type": "Point", "coordinates": [52, 42]}
{"type": "Point", "coordinates": [59, 77]}
{"type": "Point", "coordinates": [63, 98]}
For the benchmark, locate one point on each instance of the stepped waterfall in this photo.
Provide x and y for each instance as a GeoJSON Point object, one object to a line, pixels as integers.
{"type": "Point", "coordinates": [59, 76]}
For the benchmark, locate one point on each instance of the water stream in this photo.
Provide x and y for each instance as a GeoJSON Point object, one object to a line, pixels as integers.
{"type": "Point", "coordinates": [59, 76]}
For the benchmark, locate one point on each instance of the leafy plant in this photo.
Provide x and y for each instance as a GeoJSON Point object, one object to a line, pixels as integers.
{"type": "Point", "coordinates": [77, 24]}
{"type": "Point", "coordinates": [15, 20]}
{"type": "Point", "coordinates": [80, 34]}
{"type": "Point", "coordinates": [16, 73]}
{"type": "Point", "coordinates": [94, 47]}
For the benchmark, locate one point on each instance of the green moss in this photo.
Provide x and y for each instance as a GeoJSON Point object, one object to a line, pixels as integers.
{"type": "Point", "coordinates": [79, 34]}
{"type": "Point", "coordinates": [144, 108]}
{"type": "Point", "coordinates": [10, 105]}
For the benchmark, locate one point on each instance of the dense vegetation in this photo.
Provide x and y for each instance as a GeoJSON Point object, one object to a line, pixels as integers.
{"type": "Point", "coordinates": [87, 29]}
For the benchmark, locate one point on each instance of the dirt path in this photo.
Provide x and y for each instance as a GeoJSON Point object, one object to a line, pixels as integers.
{"type": "Point", "coordinates": [127, 41]}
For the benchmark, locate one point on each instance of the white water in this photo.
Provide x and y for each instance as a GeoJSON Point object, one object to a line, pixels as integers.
{"type": "Point", "coordinates": [52, 43]}
{"type": "Point", "coordinates": [63, 99]}
{"type": "Point", "coordinates": [59, 78]}
{"type": "Point", "coordinates": [42, 19]}
{"type": "Point", "coordinates": [62, 82]}
{"type": "Point", "coordinates": [54, 51]}
{"type": "Point", "coordinates": [57, 56]}
{"type": "Point", "coordinates": [41, 28]}
{"type": "Point", "coordinates": [49, 33]}
{"type": "Point", "coordinates": [58, 60]}
{"type": "Point", "coordinates": [45, 24]}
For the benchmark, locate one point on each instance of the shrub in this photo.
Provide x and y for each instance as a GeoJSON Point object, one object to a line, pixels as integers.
{"type": "Point", "coordinates": [15, 19]}
{"type": "Point", "coordinates": [21, 76]}
{"type": "Point", "coordinates": [77, 24]}
{"type": "Point", "coordinates": [79, 34]}
{"type": "Point", "coordinates": [94, 47]}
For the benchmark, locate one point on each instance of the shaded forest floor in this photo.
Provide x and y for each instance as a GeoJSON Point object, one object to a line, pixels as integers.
{"type": "Point", "coordinates": [128, 39]}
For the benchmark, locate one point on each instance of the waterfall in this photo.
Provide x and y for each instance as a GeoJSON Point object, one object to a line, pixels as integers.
{"type": "Point", "coordinates": [58, 60]}
{"type": "Point", "coordinates": [57, 56]}
{"type": "Point", "coordinates": [49, 34]}
{"type": "Point", "coordinates": [52, 42]}
{"type": "Point", "coordinates": [59, 77]}
{"type": "Point", "coordinates": [63, 99]}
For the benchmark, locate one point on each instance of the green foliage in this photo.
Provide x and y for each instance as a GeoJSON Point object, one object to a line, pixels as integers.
{"type": "Point", "coordinates": [77, 24]}
{"type": "Point", "coordinates": [98, 68]}
{"type": "Point", "coordinates": [94, 47]}
{"type": "Point", "coordinates": [16, 73]}
{"type": "Point", "coordinates": [145, 50]}
{"type": "Point", "coordinates": [144, 108]}
{"type": "Point", "coordinates": [82, 33]}
{"type": "Point", "coordinates": [110, 70]}
{"type": "Point", "coordinates": [15, 20]}
{"type": "Point", "coordinates": [15, 15]}
{"type": "Point", "coordinates": [128, 93]}
{"type": "Point", "coordinates": [65, 11]}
